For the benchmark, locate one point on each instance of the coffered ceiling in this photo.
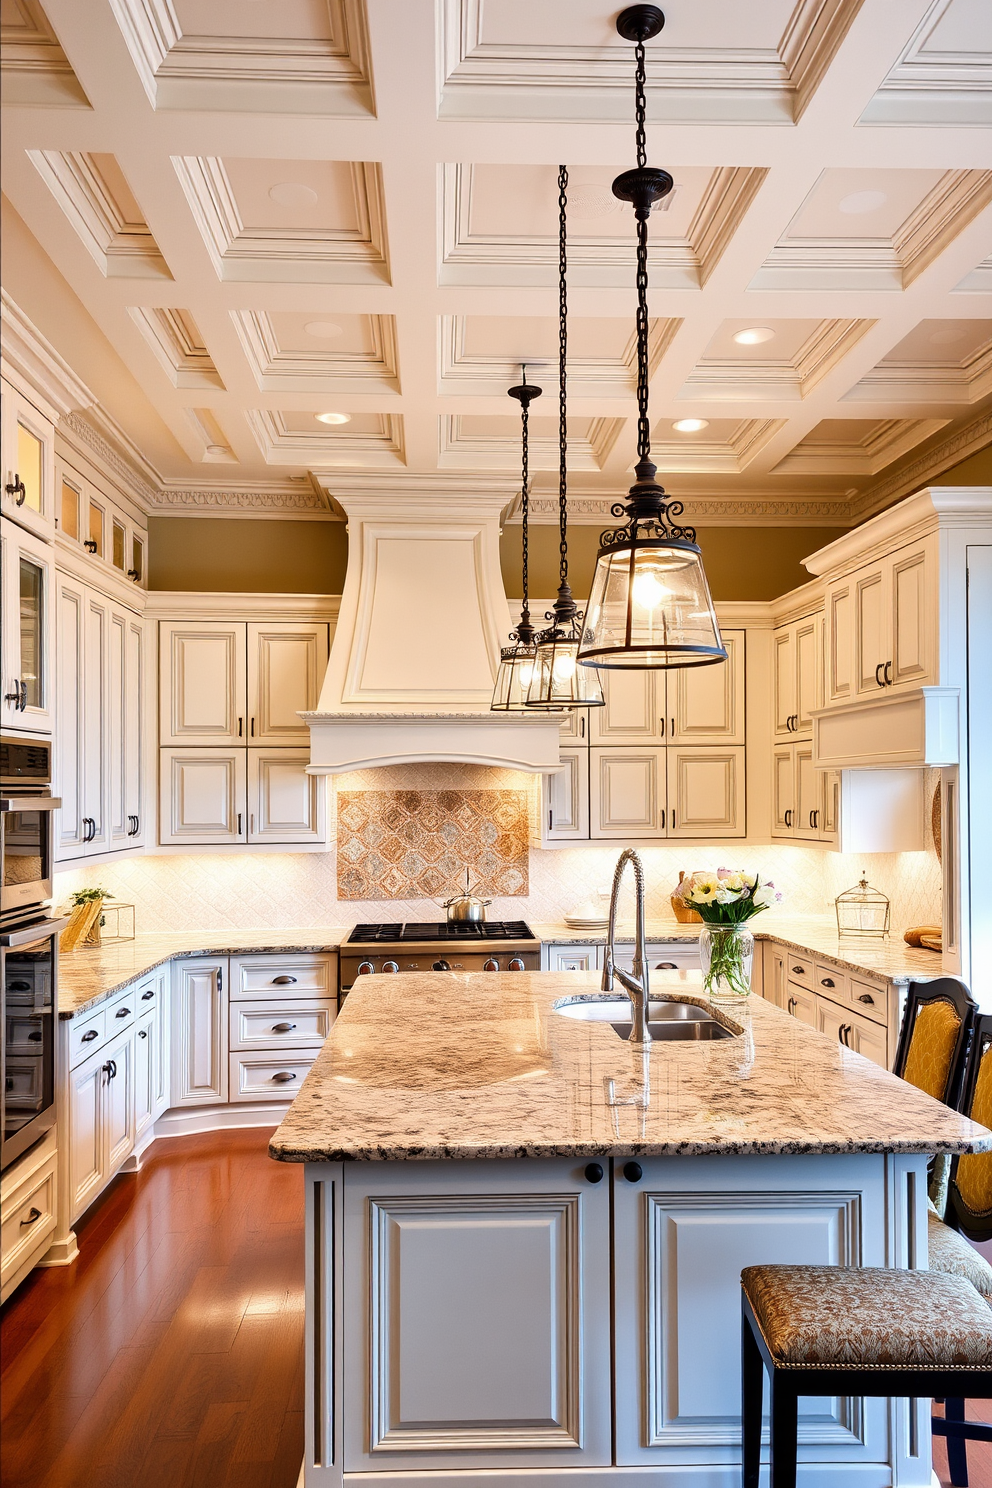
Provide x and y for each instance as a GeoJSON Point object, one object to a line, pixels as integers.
{"type": "Point", "coordinates": [272, 210]}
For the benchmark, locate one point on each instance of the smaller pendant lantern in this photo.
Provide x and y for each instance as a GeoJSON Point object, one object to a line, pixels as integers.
{"type": "Point", "coordinates": [516, 662]}
{"type": "Point", "coordinates": [558, 680]}
{"type": "Point", "coordinates": [862, 910]}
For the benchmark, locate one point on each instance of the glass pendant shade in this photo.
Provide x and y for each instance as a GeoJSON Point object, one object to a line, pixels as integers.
{"type": "Point", "coordinates": [558, 681]}
{"type": "Point", "coordinates": [516, 668]}
{"type": "Point", "coordinates": [650, 606]}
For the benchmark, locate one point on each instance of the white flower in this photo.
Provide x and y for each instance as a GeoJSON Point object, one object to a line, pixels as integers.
{"type": "Point", "coordinates": [704, 890]}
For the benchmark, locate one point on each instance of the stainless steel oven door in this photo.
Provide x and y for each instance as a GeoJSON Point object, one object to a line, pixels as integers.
{"type": "Point", "coordinates": [26, 852]}
{"type": "Point", "coordinates": [28, 1001]}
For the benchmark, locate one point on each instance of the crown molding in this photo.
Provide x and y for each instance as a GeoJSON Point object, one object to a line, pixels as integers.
{"type": "Point", "coordinates": [31, 360]}
{"type": "Point", "coordinates": [298, 500]}
{"type": "Point", "coordinates": [120, 458]}
{"type": "Point", "coordinates": [965, 441]}
{"type": "Point", "coordinates": [703, 511]}
{"type": "Point", "coordinates": [168, 603]}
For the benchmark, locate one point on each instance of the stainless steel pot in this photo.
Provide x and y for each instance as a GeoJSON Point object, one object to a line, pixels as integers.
{"type": "Point", "coordinates": [465, 906]}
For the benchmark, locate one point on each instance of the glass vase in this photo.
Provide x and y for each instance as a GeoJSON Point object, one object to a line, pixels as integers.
{"type": "Point", "coordinates": [725, 954]}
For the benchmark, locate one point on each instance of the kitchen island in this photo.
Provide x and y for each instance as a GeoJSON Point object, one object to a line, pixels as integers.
{"type": "Point", "coordinates": [525, 1236]}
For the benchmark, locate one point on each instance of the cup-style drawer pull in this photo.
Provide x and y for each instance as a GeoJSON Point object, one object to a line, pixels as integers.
{"type": "Point", "coordinates": [283, 1077]}
{"type": "Point", "coordinates": [33, 1214]}
{"type": "Point", "coordinates": [90, 1035]}
{"type": "Point", "coordinates": [123, 1013]}
{"type": "Point", "coordinates": [827, 982]}
{"type": "Point", "coordinates": [147, 996]}
{"type": "Point", "coordinates": [799, 970]}
{"type": "Point", "coordinates": [282, 981]}
{"type": "Point", "coordinates": [283, 1027]}
{"type": "Point", "coordinates": [867, 997]}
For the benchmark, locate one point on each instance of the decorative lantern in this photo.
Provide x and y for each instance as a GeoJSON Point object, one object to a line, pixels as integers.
{"type": "Point", "coordinates": [862, 910]}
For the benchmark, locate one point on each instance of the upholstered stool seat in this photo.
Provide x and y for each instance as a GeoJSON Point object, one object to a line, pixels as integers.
{"type": "Point", "coordinates": [951, 1255]}
{"type": "Point", "coordinates": [837, 1330]}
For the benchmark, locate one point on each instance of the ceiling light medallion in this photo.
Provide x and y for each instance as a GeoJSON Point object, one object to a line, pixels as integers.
{"type": "Point", "coordinates": [650, 603]}
{"type": "Point", "coordinates": [516, 662]}
{"type": "Point", "coordinates": [558, 681]}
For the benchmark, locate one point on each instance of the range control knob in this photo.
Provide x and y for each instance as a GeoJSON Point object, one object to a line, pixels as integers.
{"type": "Point", "coordinates": [365, 968]}
{"type": "Point", "coordinates": [390, 966]}
{"type": "Point", "coordinates": [515, 964]}
{"type": "Point", "coordinates": [490, 965]}
{"type": "Point", "coordinates": [441, 966]}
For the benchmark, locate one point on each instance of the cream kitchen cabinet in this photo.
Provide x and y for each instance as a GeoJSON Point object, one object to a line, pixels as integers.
{"type": "Point", "coordinates": [805, 801]}
{"type": "Point", "coordinates": [706, 792]}
{"type": "Point", "coordinates": [224, 683]}
{"type": "Point", "coordinates": [565, 807]}
{"type": "Point", "coordinates": [796, 675]}
{"type": "Point", "coordinates": [27, 653]}
{"type": "Point", "coordinates": [687, 705]}
{"type": "Point", "coordinates": [285, 804]}
{"type": "Point", "coordinates": [199, 1032]}
{"type": "Point", "coordinates": [226, 796]}
{"type": "Point", "coordinates": [28, 1211]}
{"type": "Point", "coordinates": [628, 793]}
{"type": "Point", "coordinates": [882, 625]}
{"type": "Point", "coordinates": [103, 535]}
{"type": "Point", "coordinates": [99, 744]}
{"type": "Point", "coordinates": [28, 439]}
{"type": "Point", "coordinates": [675, 792]}
{"type": "Point", "coordinates": [101, 1125]}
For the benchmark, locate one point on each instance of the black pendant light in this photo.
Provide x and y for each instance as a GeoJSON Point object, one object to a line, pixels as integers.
{"type": "Point", "coordinates": [650, 604]}
{"type": "Point", "coordinates": [558, 681]}
{"type": "Point", "coordinates": [516, 662]}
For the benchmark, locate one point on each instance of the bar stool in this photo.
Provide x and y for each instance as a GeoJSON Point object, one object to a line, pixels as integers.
{"type": "Point", "coordinates": [838, 1330]}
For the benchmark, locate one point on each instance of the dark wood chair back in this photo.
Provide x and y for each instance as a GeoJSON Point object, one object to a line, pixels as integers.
{"type": "Point", "coordinates": [969, 1194]}
{"type": "Point", "coordinates": [935, 1035]}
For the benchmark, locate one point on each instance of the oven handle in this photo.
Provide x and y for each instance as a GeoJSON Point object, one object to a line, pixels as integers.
{"type": "Point", "coordinates": [30, 803]}
{"type": "Point", "coordinates": [40, 930]}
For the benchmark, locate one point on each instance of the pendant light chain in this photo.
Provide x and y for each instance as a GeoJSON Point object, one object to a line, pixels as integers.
{"type": "Point", "coordinates": [525, 497]}
{"type": "Point", "coordinates": [643, 424]}
{"type": "Point", "coordinates": [562, 355]}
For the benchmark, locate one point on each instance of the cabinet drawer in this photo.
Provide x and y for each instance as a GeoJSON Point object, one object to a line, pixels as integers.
{"type": "Point", "coordinates": [28, 1219]}
{"type": "Point", "coordinates": [831, 982]}
{"type": "Point", "coordinates": [871, 999]}
{"type": "Point", "coordinates": [269, 1075]}
{"type": "Point", "coordinates": [276, 1024]}
{"type": "Point", "coordinates": [86, 1035]}
{"type": "Point", "coordinates": [148, 994]}
{"type": "Point", "coordinates": [283, 976]}
{"type": "Point", "coordinates": [122, 1013]}
{"type": "Point", "coordinates": [800, 969]}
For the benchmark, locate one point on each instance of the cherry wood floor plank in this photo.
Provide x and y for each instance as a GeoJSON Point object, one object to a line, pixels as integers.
{"type": "Point", "coordinates": [171, 1354]}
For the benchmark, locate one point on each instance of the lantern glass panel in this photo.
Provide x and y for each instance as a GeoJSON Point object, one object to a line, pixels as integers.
{"type": "Point", "coordinates": [650, 606]}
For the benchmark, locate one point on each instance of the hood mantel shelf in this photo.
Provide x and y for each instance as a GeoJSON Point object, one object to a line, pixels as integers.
{"type": "Point", "coordinates": [360, 741]}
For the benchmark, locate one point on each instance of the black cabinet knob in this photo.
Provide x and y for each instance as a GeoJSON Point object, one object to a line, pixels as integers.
{"type": "Point", "coordinates": [441, 966]}
{"type": "Point", "coordinates": [594, 1172]}
{"type": "Point", "coordinates": [633, 1172]}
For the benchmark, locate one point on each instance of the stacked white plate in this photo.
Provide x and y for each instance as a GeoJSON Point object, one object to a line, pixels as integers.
{"type": "Point", "coordinates": [587, 917]}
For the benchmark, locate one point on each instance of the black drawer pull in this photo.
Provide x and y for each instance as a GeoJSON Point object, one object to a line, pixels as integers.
{"type": "Point", "coordinates": [282, 981]}
{"type": "Point", "coordinates": [283, 1077]}
{"type": "Point", "coordinates": [34, 1038]}
{"type": "Point", "coordinates": [90, 1035]}
{"type": "Point", "coordinates": [667, 966]}
{"type": "Point", "coordinates": [799, 970]}
{"type": "Point", "coordinates": [867, 997]}
{"type": "Point", "coordinates": [827, 982]}
{"type": "Point", "coordinates": [147, 996]}
{"type": "Point", "coordinates": [123, 1013]}
{"type": "Point", "coordinates": [142, 1032]}
{"type": "Point", "coordinates": [283, 1027]}
{"type": "Point", "coordinates": [633, 1172]}
{"type": "Point", "coordinates": [33, 1214]}
{"type": "Point", "coordinates": [594, 1172]}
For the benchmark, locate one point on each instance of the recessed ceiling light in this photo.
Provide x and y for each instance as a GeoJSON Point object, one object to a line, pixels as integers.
{"type": "Point", "coordinates": [292, 194]}
{"type": "Point", "coordinates": [690, 426]}
{"type": "Point", "coordinates": [333, 418]}
{"type": "Point", "coordinates": [325, 329]}
{"type": "Point", "coordinates": [860, 202]}
{"type": "Point", "coordinates": [754, 335]}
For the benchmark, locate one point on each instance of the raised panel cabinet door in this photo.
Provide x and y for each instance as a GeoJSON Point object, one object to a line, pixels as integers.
{"type": "Point", "coordinates": [285, 804]}
{"type": "Point", "coordinates": [573, 958]}
{"type": "Point", "coordinates": [118, 1094]}
{"type": "Point", "coordinates": [783, 791]}
{"type": "Point", "coordinates": [801, 1003]}
{"type": "Point", "coordinates": [706, 792]}
{"type": "Point", "coordinates": [839, 662]}
{"type": "Point", "coordinates": [830, 820]}
{"type": "Point", "coordinates": [914, 618]}
{"type": "Point", "coordinates": [682, 1234]}
{"type": "Point", "coordinates": [634, 709]}
{"type": "Point", "coordinates": [566, 798]}
{"type": "Point", "coordinates": [627, 792]}
{"type": "Point", "coordinates": [286, 665]}
{"type": "Point", "coordinates": [145, 1055]}
{"type": "Point", "coordinates": [807, 673]}
{"type": "Point", "coordinates": [134, 722]}
{"type": "Point", "coordinates": [203, 796]}
{"type": "Point", "coordinates": [706, 703]}
{"type": "Point", "coordinates": [869, 1039]}
{"type": "Point", "coordinates": [87, 1133]}
{"type": "Point", "coordinates": [203, 682]}
{"type": "Point", "coordinates": [809, 794]}
{"type": "Point", "coordinates": [117, 822]}
{"type": "Point", "coordinates": [96, 720]}
{"type": "Point", "coordinates": [26, 589]}
{"type": "Point", "coordinates": [199, 1038]}
{"type": "Point", "coordinates": [70, 830]}
{"type": "Point", "coordinates": [872, 641]}
{"type": "Point", "coordinates": [27, 490]}
{"type": "Point", "coordinates": [476, 1317]}
{"type": "Point", "coordinates": [784, 678]}
{"type": "Point", "coordinates": [832, 1020]}
{"type": "Point", "coordinates": [773, 979]}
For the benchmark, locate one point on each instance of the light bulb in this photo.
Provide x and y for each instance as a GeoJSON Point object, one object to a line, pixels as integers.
{"type": "Point", "coordinates": [333, 418]}
{"type": "Point", "coordinates": [648, 592]}
{"type": "Point", "coordinates": [564, 666]}
{"type": "Point", "coordinates": [690, 425]}
{"type": "Point", "coordinates": [754, 335]}
{"type": "Point", "coordinates": [526, 672]}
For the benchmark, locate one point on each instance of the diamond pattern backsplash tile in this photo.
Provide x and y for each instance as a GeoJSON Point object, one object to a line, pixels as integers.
{"type": "Point", "coordinates": [419, 844]}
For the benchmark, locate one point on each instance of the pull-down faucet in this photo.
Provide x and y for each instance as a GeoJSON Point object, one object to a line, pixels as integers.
{"type": "Point", "coordinates": [636, 984]}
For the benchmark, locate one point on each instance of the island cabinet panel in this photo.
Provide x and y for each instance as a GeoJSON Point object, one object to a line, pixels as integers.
{"type": "Point", "coordinates": [199, 1040]}
{"type": "Point", "coordinates": [478, 1334]}
{"type": "Point", "coordinates": [682, 1235]}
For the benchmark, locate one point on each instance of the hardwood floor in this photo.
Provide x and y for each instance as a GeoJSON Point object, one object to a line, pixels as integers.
{"type": "Point", "coordinates": [171, 1354]}
{"type": "Point", "coordinates": [979, 1453]}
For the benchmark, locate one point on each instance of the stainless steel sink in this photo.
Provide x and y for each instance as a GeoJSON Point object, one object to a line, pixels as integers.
{"type": "Point", "coordinates": [669, 1021]}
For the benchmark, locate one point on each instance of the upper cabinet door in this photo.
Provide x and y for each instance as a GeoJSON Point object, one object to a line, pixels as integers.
{"type": "Point", "coordinates": [203, 796]}
{"type": "Point", "coordinates": [706, 792]}
{"type": "Point", "coordinates": [784, 678]}
{"type": "Point", "coordinates": [203, 683]}
{"type": "Point", "coordinates": [27, 494]}
{"type": "Point", "coordinates": [27, 652]}
{"type": "Point", "coordinates": [807, 673]}
{"type": "Point", "coordinates": [635, 708]}
{"type": "Point", "coordinates": [706, 704]}
{"type": "Point", "coordinates": [285, 804]}
{"type": "Point", "coordinates": [627, 792]}
{"type": "Point", "coordinates": [914, 618]}
{"type": "Point", "coordinates": [286, 665]}
{"type": "Point", "coordinates": [871, 643]}
{"type": "Point", "coordinates": [565, 801]}
{"type": "Point", "coordinates": [783, 791]}
{"type": "Point", "coordinates": [838, 662]}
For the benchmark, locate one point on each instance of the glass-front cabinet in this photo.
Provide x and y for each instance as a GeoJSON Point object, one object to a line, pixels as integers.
{"type": "Point", "coordinates": [96, 528]}
{"type": "Point", "coordinates": [28, 439]}
{"type": "Point", "coordinates": [26, 650]}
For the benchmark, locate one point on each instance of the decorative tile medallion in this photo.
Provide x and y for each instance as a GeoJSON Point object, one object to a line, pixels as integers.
{"type": "Point", "coordinates": [407, 844]}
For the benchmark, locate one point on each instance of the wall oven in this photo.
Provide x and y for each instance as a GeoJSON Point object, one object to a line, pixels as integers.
{"type": "Point", "coordinates": [26, 829]}
{"type": "Point", "coordinates": [28, 1009]}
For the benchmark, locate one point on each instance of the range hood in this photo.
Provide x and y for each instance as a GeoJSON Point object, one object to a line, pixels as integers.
{"type": "Point", "coordinates": [423, 616]}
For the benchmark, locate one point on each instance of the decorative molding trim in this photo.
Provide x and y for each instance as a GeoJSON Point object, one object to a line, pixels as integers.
{"type": "Point", "coordinates": [181, 603]}
{"type": "Point", "coordinates": [178, 345]}
{"type": "Point", "coordinates": [280, 445]}
{"type": "Point", "coordinates": [217, 501]}
{"type": "Point", "coordinates": [966, 441]}
{"type": "Point", "coordinates": [742, 380]}
{"type": "Point", "coordinates": [927, 382]}
{"type": "Point", "coordinates": [503, 451]}
{"type": "Point", "coordinates": [933, 86]}
{"type": "Point", "coordinates": [884, 441]}
{"type": "Point", "coordinates": [35, 68]}
{"type": "Point", "coordinates": [715, 511]}
{"type": "Point", "coordinates": [124, 469]}
{"type": "Point", "coordinates": [480, 374]}
{"type": "Point", "coordinates": [30, 359]}
{"type": "Point", "coordinates": [120, 245]}
{"type": "Point", "coordinates": [276, 368]}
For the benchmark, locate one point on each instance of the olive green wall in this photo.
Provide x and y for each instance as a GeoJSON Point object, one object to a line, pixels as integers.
{"type": "Point", "coordinates": [975, 471]}
{"type": "Point", "coordinates": [741, 562]}
{"type": "Point", "coordinates": [214, 554]}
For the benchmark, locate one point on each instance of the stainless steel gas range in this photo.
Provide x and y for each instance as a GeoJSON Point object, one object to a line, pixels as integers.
{"type": "Point", "coordinates": [470, 945]}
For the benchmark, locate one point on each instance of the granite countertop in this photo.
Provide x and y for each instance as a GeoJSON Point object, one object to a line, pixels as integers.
{"type": "Point", "coordinates": [886, 956]}
{"type": "Point", "coordinates": [92, 973]}
{"type": "Point", "coordinates": [479, 1065]}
